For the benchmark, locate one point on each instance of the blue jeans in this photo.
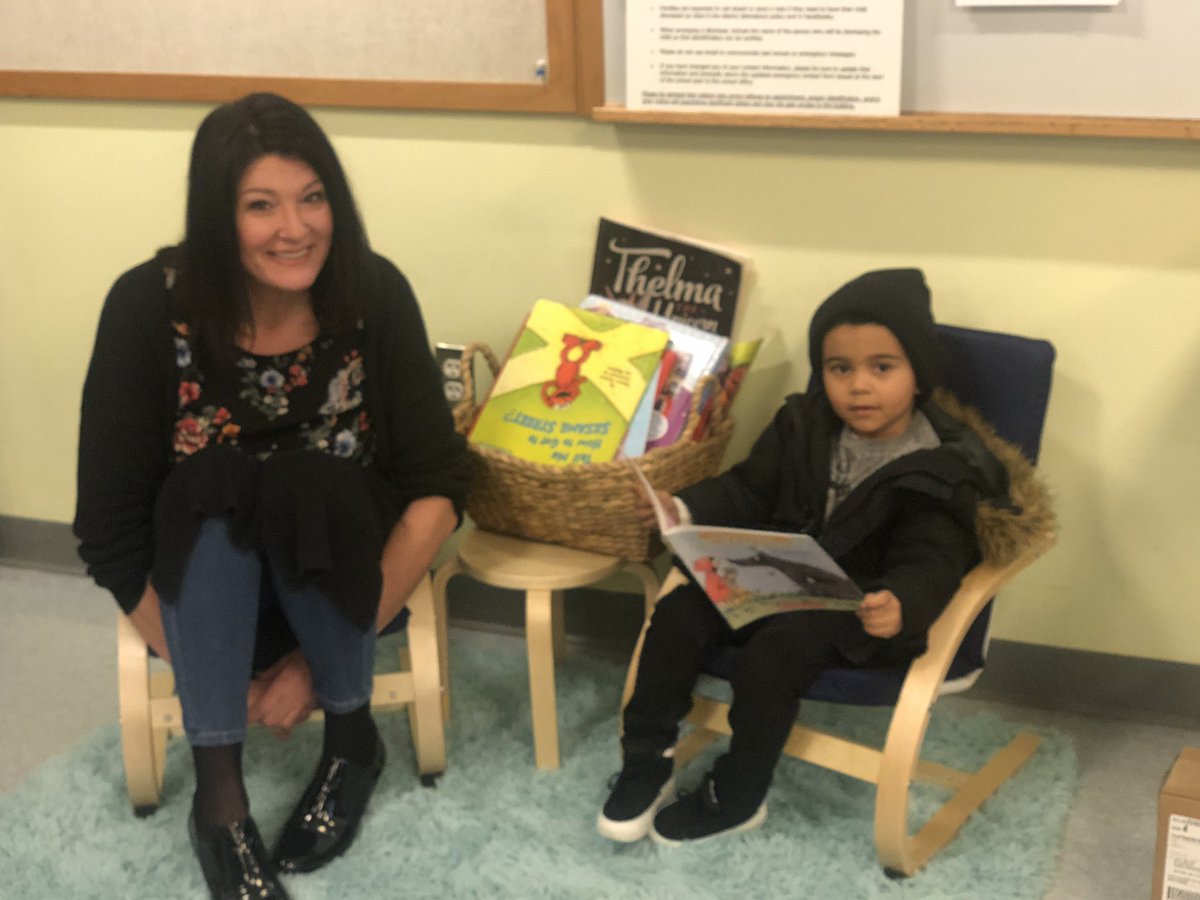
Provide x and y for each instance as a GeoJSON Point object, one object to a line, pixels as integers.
{"type": "Point", "coordinates": [211, 633]}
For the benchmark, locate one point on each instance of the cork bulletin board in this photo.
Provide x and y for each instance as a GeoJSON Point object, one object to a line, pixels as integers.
{"type": "Point", "coordinates": [456, 54]}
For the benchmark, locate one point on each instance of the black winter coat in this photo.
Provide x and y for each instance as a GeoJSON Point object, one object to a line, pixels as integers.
{"type": "Point", "coordinates": [908, 528]}
{"type": "Point", "coordinates": [125, 455]}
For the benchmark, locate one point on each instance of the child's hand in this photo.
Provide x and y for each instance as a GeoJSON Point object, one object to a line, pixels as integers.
{"type": "Point", "coordinates": [880, 615]}
{"type": "Point", "coordinates": [645, 512]}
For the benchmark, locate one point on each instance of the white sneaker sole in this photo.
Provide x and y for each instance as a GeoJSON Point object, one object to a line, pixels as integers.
{"type": "Point", "coordinates": [631, 830]}
{"type": "Point", "coordinates": [755, 821]}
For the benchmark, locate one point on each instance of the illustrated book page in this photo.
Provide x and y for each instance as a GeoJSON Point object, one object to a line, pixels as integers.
{"type": "Point", "coordinates": [750, 574]}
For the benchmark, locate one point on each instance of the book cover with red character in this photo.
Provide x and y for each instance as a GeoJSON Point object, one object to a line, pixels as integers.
{"type": "Point", "coordinates": [570, 386]}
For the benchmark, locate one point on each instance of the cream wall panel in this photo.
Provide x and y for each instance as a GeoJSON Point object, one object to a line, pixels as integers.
{"type": "Point", "coordinates": [1092, 244]}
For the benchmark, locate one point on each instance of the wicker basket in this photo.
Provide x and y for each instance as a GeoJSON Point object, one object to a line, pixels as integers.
{"type": "Point", "coordinates": [589, 507]}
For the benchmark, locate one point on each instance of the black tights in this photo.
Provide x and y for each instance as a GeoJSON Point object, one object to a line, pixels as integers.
{"type": "Point", "coordinates": [220, 797]}
{"type": "Point", "coordinates": [220, 792]}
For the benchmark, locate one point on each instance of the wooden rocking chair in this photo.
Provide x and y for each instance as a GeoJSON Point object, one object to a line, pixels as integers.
{"type": "Point", "coordinates": [150, 712]}
{"type": "Point", "coordinates": [1006, 378]}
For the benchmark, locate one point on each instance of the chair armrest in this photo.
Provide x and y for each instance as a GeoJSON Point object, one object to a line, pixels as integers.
{"type": "Point", "coordinates": [910, 718]}
{"type": "Point", "coordinates": [977, 589]}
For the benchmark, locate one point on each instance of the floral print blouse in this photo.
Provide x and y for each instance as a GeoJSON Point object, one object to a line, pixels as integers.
{"type": "Point", "coordinates": [308, 399]}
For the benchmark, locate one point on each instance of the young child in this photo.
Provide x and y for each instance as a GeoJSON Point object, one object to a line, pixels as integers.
{"type": "Point", "coordinates": [888, 483]}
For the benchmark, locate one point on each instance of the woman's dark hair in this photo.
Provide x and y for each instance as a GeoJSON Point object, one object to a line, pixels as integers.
{"type": "Point", "coordinates": [211, 283]}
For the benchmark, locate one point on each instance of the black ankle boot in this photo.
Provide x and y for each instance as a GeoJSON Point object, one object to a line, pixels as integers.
{"type": "Point", "coordinates": [326, 819]}
{"type": "Point", "coordinates": [235, 862]}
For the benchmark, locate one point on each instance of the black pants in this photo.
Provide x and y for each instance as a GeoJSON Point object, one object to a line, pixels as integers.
{"type": "Point", "coordinates": [776, 660]}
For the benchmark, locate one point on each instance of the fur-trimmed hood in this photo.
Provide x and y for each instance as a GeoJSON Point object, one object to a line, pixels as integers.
{"type": "Point", "coordinates": [1005, 529]}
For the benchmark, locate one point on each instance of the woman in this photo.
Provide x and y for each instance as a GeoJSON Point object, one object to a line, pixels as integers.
{"type": "Point", "coordinates": [267, 468]}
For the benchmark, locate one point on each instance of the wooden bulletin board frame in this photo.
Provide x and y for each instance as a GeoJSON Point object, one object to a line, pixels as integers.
{"type": "Point", "coordinates": [559, 93]}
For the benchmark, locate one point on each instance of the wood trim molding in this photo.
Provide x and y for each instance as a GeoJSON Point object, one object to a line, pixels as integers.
{"type": "Point", "coordinates": [944, 123]}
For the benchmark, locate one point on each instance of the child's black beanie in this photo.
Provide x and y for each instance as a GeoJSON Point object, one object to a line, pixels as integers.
{"type": "Point", "coordinates": [895, 298]}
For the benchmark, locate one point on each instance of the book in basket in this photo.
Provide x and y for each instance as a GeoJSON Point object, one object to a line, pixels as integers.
{"type": "Point", "coordinates": [570, 386]}
{"type": "Point", "coordinates": [749, 574]}
{"type": "Point", "coordinates": [669, 275]}
{"type": "Point", "coordinates": [694, 354]}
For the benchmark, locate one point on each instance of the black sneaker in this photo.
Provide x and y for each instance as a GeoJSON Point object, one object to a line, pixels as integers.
{"type": "Point", "coordinates": [635, 794]}
{"type": "Point", "coordinates": [700, 815]}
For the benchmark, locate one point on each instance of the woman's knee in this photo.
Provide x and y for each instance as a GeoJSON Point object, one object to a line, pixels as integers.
{"type": "Point", "coordinates": [214, 567]}
{"type": "Point", "coordinates": [211, 488]}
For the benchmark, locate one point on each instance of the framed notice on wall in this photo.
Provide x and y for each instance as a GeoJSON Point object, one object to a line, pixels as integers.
{"type": "Point", "coordinates": [784, 56]}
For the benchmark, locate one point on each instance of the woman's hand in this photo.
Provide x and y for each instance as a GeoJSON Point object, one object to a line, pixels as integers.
{"type": "Point", "coordinates": [645, 512]}
{"type": "Point", "coordinates": [282, 697]}
{"type": "Point", "coordinates": [147, 619]}
{"type": "Point", "coordinates": [880, 614]}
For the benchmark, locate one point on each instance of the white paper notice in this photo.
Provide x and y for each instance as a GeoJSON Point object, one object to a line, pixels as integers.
{"type": "Point", "coordinates": [779, 56]}
{"type": "Point", "coordinates": [1181, 865]}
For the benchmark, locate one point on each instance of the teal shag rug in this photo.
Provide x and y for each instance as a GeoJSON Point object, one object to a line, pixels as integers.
{"type": "Point", "coordinates": [496, 827]}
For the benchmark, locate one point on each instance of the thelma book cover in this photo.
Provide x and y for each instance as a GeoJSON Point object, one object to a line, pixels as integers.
{"type": "Point", "coordinates": [569, 387]}
{"type": "Point", "coordinates": [668, 275]}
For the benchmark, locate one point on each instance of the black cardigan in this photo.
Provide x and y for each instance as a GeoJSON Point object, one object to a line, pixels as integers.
{"type": "Point", "coordinates": [128, 417]}
{"type": "Point", "coordinates": [909, 527]}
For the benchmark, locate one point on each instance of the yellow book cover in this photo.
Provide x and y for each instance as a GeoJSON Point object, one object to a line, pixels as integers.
{"type": "Point", "coordinates": [569, 387]}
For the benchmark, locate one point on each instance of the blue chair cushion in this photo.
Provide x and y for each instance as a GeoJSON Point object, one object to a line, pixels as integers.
{"type": "Point", "coordinates": [1006, 377]}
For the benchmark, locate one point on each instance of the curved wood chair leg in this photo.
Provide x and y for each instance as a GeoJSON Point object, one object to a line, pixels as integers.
{"type": "Point", "coordinates": [898, 853]}
{"type": "Point", "coordinates": [425, 710]}
{"type": "Point", "coordinates": [897, 768]}
{"type": "Point", "coordinates": [441, 581]}
{"type": "Point", "coordinates": [143, 750]}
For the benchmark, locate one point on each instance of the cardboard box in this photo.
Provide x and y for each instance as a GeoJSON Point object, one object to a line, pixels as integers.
{"type": "Point", "coordinates": [1177, 862]}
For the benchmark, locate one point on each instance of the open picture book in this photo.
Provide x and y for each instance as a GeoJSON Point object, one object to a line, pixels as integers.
{"type": "Point", "coordinates": [749, 574]}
